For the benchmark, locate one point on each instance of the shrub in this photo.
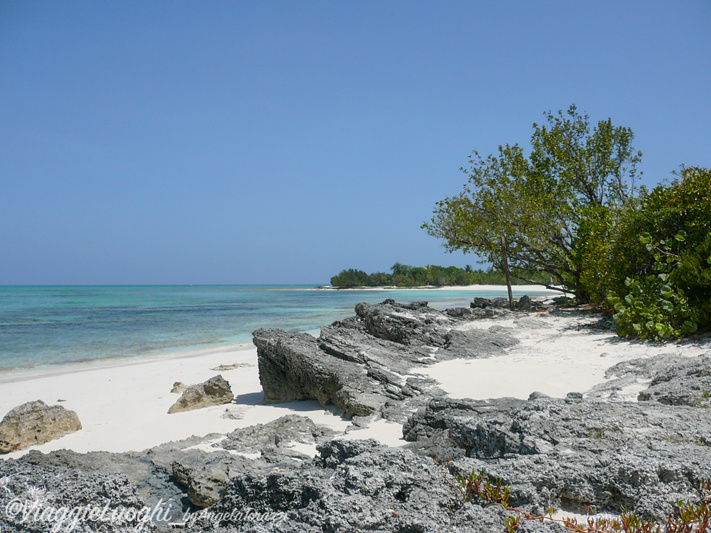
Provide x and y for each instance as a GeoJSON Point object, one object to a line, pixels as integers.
{"type": "Point", "coordinates": [659, 272]}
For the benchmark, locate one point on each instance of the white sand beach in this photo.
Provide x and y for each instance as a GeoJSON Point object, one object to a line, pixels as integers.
{"type": "Point", "coordinates": [125, 407]}
{"type": "Point", "coordinates": [538, 289]}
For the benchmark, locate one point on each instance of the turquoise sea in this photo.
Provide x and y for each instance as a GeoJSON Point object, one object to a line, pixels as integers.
{"type": "Point", "coordinates": [45, 327]}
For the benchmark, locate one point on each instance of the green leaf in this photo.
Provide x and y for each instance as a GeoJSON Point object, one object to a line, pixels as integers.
{"type": "Point", "coordinates": [679, 237]}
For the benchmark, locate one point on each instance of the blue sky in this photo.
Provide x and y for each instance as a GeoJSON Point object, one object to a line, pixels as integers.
{"type": "Point", "coordinates": [280, 142]}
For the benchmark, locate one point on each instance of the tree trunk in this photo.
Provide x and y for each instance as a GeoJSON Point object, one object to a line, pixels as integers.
{"type": "Point", "coordinates": [505, 265]}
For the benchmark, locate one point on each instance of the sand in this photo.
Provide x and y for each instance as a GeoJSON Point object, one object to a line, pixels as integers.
{"type": "Point", "coordinates": [517, 289]}
{"type": "Point", "coordinates": [124, 406]}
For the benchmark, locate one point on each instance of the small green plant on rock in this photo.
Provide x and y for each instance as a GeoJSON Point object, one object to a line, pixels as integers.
{"type": "Point", "coordinates": [690, 516]}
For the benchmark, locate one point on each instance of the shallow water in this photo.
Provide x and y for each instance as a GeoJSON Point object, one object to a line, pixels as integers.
{"type": "Point", "coordinates": [49, 326]}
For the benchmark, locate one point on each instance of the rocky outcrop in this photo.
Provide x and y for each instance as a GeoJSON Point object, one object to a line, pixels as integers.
{"type": "Point", "coordinates": [172, 479]}
{"type": "Point", "coordinates": [575, 453]}
{"type": "Point", "coordinates": [572, 453]}
{"type": "Point", "coordinates": [685, 382]}
{"type": "Point", "coordinates": [40, 499]}
{"type": "Point", "coordinates": [274, 440]}
{"type": "Point", "coordinates": [35, 423]}
{"type": "Point", "coordinates": [672, 379]}
{"type": "Point", "coordinates": [355, 486]}
{"type": "Point", "coordinates": [215, 391]}
{"type": "Point", "coordinates": [364, 364]}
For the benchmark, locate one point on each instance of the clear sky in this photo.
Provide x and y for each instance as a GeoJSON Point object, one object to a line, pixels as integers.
{"type": "Point", "coordinates": [281, 142]}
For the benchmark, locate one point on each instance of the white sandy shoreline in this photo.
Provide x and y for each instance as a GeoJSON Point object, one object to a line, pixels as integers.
{"type": "Point", "coordinates": [538, 289]}
{"type": "Point", "coordinates": [124, 407]}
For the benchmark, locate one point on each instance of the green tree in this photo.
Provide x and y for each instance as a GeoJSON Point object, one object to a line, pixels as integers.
{"type": "Point", "coordinates": [659, 260]}
{"type": "Point", "coordinates": [527, 211]}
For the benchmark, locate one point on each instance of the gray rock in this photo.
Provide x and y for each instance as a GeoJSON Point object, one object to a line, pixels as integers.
{"type": "Point", "coordinates": [49, 489]}
{"type": "Point", "coordinates": [363, 364]}
{"type": "Point", "coordinates": [278, 434]}
{"type": "Point", "coordinates": [481, 303]}
{"type": "Point", "coordinates": [355, 486]}
{"type": "Point", "coordinates": [535, 395]}
{"type": "Point", "coordinates": [205, 484]}
{"type": "Point", "coordinates": [215, 391]}
{"type": "Point", "coordinates": [524, 303]}
{"type": "Point", "coordinates": [35, 423]}
{"type": "Point", "coordinates": [293, 367]}
{"type": "Point", "coordinates": [179, 473]}
{"type": "Point", "coordinates": [686, 381]}
{"type": "Point", "coordinates": [569, 454]}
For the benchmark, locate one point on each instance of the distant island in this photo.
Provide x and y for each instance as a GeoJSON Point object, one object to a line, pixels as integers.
{"type": "Point", "coordinates": [434, 275]}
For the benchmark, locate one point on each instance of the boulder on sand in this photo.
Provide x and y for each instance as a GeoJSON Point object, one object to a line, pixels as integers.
{"type": "Point", "coordinates": [35, 423]}
{"type": "Point", "coordinates": [215, 391]}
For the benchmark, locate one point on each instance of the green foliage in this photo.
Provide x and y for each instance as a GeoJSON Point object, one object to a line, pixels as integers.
{"type": "Point", "coordinates": [409, 276]}
{"type": "Point", "coordinates": [690, 516]}
{"type": "Point", "coordinates": [654, 307]}
{"type": "Point", "coordinates": [531, 207]}
{"type": "Point", "coordinates": [659, 261]}
{"type": "Point", "coordinates": [350, 278]}
{"type": "Point", "coordinates": [592, 250]}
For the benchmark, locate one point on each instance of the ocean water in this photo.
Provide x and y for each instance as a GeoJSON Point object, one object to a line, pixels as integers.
{"type": "Point", "coordinates": [46, 327]}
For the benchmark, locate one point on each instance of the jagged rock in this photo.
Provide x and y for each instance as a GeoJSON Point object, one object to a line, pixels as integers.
{"type": "Point", "coordinates": [292, 367]}
{"type": "Point", "coordinates": [460, 312]}
{"type": "Point", "coordinates": [687, 382]}
{"type": "Point", "coordinates": [524, 303]}
{"type": "Point", "coordinates": [279, 433]}
{"type": "Point", "coordinates": [215, 391]}
{"type": "Point", "coordinates": [362, 364]}
{"type": "Point", "coordinates": [535, 395]}
{"type": "Point", "coordinates": [44, 491]}
{"type": "Point", "coordinates": [35, 423]}
{"type": "Point", "coordinates": [356, 486]}
{"type": "Point", "coordinates": [205, 485]}
{"type": "Point", "coordinates": [411, 324]}
{"type": "Point", "coordinates": [569, 453]}
{"type": "Point", "coordinates": [672, 379]}
{"type": "Point", "coordinates": [566, 453]}
{"type": "Point", "coordinates": [480, 303]}
{"type": "Point", "coordinates": [177, 469]}
{"type": "Point", "coordinates": [178, 387]}
{"type": "Point", "coordinates": [502, 303]}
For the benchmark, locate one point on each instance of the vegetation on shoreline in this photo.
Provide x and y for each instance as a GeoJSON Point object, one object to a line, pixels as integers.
{"type": "Point", "coordinates": [408, 276]}
{"type": "Point", "coordinates": [690, 516]}
{"type": "Point", "coordinates": [571, 211]}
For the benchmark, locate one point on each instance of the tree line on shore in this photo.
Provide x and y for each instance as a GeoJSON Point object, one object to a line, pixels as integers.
{"type": "Point", "coordinates": [570, 210]}
{"type": "Point", "coordinates": [431, 275]}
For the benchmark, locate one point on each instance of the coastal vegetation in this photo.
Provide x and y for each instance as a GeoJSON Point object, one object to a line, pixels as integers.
{"type": "Point", "coordinates": [570, 211]}
{"type": "Point", "coordinates": [689, 516]}
{"type": "Point", "coordinates": [408, 276]}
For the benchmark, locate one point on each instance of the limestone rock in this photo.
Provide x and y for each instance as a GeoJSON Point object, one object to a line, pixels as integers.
{"type": "Point", "coordinates": [569, 454]}
{"type": "Point", "coordinates": [480, 303]}
{"type": "Point", "coordinates": [35, 423]}
{"type": "Point", "coordinates": [364, 364]}
{"type": "Point", "coordinates": [524, 303]}
{"type": "Point", "coordinates": [178, 387]}
{"type": "Point", "coordinates": [205, 485]}
{"type": "Point", "coordinates": [277, 436]}
{"type": "Point", "coordinates": [215, 391]}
